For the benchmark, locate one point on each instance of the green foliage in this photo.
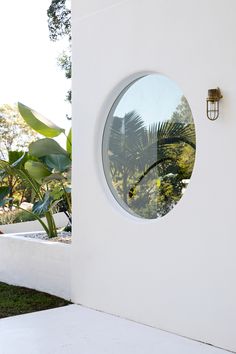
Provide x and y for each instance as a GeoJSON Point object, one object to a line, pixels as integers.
{"type": "Point", "coordinates": [48, 129]}
{"type": "Point", "coordinates": [64, 62]}
{"type": "Point", "coordinates": [37, 170]}
{"type": "Point", "coordinates": [17, 157]}
{"type": "Point", "coordinates": [149, 165]}
{"type": "Point", "coordinates": [16, 187]}
{"type": "Point", "coordinates": [44, 147]}
{"type": "Point", "coordinates": [44, 171]}
{"type": "Point", "coordinates": [15, 216]}
{"type": "Point", "coordinates": [42, 206]}
{"type": "Point", "coordinates": [50, 156]}
{"type": "Point", "coordinates": [69, 142]}
{"type": "Point", "coordinates": [22, 174]}
{"type": "Point", "coordinates": [39, 123]}
{"type": "Point", "coordinates": [15, 133]}
{"type": "Point", "coordinates": [59, 20]}
{"type": "Point", "coordinates": [57, 162]}
{"type": "Point", "coordinates": [4, 191]}
{"type": "Point", "coordinates": [182, 113]}
{"type": "Point", "coordinates": [59, 25]}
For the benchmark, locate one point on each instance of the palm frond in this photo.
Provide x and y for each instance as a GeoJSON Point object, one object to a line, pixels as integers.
{"type": "Point", "coordinates": [127, 136]}
{"type": "Point", "coordinates": [174, 132]}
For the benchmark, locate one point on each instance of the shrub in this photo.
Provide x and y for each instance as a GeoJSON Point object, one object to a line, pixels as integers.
{"type": "Point", "coordinates": [15, 216]}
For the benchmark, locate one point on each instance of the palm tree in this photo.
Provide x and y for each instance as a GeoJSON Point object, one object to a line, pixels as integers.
{"type": "Point", "coordinates": [127, 137]}
{"type": "Point", "coordinates": [137, 155]}
{"type": "Point", "coordinates": [161, 139]}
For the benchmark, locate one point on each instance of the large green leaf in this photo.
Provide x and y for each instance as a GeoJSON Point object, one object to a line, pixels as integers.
{"type": "Point", "coordinates": [39, 123]}
{"type": "Point", "coordinates": [58, 162]}
{"type": "Point", "coordinates": [69, 142]}
{"type": "Point", "coordinates": [44, 147]}
{"type": "Point", "coordinates": [14, 156]}
{"type": "Point", "coordinates": [54, 177]}
{"type": "Point", "coordinates": [37, 170]}
{"type": "Point", "coordinates": [4, 191]}
{"type": "Point", "coordinates": [17, 158]}
{"type": "Point", "coordinates": [42, 206]}
{"type": "Point", "coordinates": [4, 201]}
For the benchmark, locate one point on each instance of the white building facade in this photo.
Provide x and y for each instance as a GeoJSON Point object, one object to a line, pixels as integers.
{"type": "Point", "coordinates": [178, 272]}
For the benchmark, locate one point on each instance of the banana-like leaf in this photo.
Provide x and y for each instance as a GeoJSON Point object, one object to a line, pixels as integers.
{"type": "Point", "coordinates": [55, 203]}
{"type": "Point", "coordinates": [57, 193]}
{"type": "Point", "coordinates": [58, 163]}
{"type": "Point", "coordinates": [4, 201]}
{"type": "Point", "coordinates": [44, 147]}
{"type": "Point", "coordinates": [42, 206]}
{"type": "Point", "coordinates": [17, 158]}
{"type": "Point", "coordinates": [4, 191]}
{"type": "Point", "coordinates": [37, 170]}
{"type": "Point", "coordinates": [39, 123]}
{"type": "Point", "coordinates": [69, 142]}
{"type": "Point", "coordinates": [54, 177]}
{"type": "Point", "coordinates": [22, 174]}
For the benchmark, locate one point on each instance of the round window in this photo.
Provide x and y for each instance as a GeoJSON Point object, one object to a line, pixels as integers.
{"type": "Point", "coordinates": [149, 146]}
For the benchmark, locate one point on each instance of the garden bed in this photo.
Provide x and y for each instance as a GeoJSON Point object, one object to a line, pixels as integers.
{"type": "Point", "coordinates": [43, 265]}
{"type": "Point", "coordinates": [63, 236]}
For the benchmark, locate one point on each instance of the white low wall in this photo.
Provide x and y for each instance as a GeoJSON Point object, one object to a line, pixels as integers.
{"type": "Point", "coordinates": [36, 264]}
{"type": "Point", "coordinates": [60, 219]}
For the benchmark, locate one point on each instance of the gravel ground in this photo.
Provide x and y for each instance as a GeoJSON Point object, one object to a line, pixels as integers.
{"type": "Point", "coordinates": [63, 236]}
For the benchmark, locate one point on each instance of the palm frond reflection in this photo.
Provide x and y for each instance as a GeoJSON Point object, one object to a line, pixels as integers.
{"type": "Point", "coordinates": [150, 165]}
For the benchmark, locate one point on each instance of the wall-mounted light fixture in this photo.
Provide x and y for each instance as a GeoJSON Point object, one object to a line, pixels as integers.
{"type": "Point", "coordinates": [214, 96]}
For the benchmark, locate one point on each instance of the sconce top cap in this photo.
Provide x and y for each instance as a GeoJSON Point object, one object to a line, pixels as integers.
{"type": "Point", "coordinates": [214, 95]}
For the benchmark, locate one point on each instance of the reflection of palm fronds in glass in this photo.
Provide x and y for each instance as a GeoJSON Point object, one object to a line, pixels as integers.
{"type": "Point", "coordinates": [139, 156]}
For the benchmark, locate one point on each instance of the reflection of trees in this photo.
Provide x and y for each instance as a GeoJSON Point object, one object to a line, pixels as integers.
{"type": "Point", "coordinates": [182, 113]}
{"type": "Point", "coordinates": [148, 164]}
{"type": "Point", "coordinates": [126, 141]}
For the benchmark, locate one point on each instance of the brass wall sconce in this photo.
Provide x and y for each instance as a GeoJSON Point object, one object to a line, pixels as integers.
{"type": "Point", "coordinates": [214, 96]}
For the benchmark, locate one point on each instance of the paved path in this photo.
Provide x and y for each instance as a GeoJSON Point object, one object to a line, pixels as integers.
{"type": "Point", "coordinates": [77, 330]}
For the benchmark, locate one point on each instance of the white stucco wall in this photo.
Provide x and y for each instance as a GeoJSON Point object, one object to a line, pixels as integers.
{"type": "Point", "coordinates": [176, 273]}
{"type": "Point", "coordinates": [36, 264]}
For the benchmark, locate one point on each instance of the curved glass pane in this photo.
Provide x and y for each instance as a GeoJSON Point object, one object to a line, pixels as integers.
{"type": "Point", "coordinates": [149, 146]}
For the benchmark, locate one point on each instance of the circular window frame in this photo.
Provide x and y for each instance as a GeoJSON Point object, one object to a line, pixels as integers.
{"type": "Point", "coordinates": [112, 102]}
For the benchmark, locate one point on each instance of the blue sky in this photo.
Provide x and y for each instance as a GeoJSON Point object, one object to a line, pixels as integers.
{"type": "Point", "coordinates": [154, 97]}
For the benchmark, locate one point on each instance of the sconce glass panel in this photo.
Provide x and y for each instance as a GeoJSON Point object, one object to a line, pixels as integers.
{"type": "Point", "coordinates": [149, 146]}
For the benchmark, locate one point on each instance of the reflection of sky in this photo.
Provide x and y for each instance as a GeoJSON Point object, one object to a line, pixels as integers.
{"type": "Point", "coordinates": [153, 97]}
